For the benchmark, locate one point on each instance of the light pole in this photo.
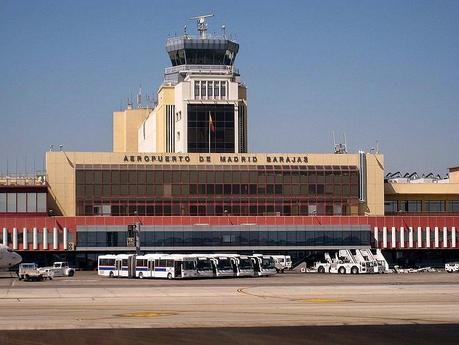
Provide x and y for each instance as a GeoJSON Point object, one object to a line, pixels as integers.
{"type": "Point", "coordinates": [137, 234]}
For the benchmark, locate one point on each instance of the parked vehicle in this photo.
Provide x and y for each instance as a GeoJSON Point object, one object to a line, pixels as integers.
{"type": "Point", "coordinates": [31, 272]}
{"type": "Point", "coordinates": [61, 269]}
{"type": "Point", "coordinates": [282, 262]}
{"type": "Point", "coordinates": [347, 261]}
{"type": "Point", "coordinates": [451, 267]}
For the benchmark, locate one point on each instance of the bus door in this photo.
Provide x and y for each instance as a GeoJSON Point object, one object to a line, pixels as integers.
{"type": "Point", "coordinates": [178, 268]}
{"type": "Point", "coordinates": [131, 266]}
{"type": "Point", "coordinates": [256, 265]}
{"type": "Point", "coordinates": [151, 267]}
{"type": "Point", "coordinates": [118, 267]}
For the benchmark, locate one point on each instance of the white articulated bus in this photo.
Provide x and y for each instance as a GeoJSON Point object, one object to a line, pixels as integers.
{"type": "Point", "coordinates": [165, 266]}
{"type": "Point", "coordinates": [263, 265]}
{"type": "Point", "coordinates": [111, 265]}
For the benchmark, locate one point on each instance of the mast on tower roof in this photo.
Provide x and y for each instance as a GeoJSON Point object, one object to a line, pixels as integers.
{"type": "Point", "coordinates": [202, 25]}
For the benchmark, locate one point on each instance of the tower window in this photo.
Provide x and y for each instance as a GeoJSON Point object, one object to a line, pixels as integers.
{"type": "Point", "coordinates": [196, 88]}
{"type": "Point", "coordinates": [210, 88]}
{"type": "Point", "coordinates": [203, 88]}
{"type": "Point", "coordinates": [216, 88]}
{"type": "Point", "coordinates": [223, 89]}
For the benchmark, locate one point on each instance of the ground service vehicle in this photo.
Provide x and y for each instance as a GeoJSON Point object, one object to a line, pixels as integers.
{"type": "Point", "coordinates": [282, 262]}
{"type": "Point", "coordinates": [31, 272]}
{"type": "Point", "coordinates": [60, 269]}
{"type": "Point", "coordinates": [346, 262]}
{"type": "Point", "coordinates": [263, 265]}
{"type": "Point", "coordinates": [451, 267]}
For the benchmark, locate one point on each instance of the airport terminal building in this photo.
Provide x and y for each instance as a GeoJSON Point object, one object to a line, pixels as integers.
{"type": "Point", "coordinates": [181, 169]}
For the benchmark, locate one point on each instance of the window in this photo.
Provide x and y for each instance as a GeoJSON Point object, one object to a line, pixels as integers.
{"type": "Point", "coordinates": [11, 202]}
{"type": "Point", "coordinates": [203, 88]}
{"type": "Point", "coordinates": [435, 206]}
{"type": "Point", "coordinates": [390, 207]}
{"type": "Point", "coordinates": [223, 89]}
{"type": "Point", "coordinates": [210, 88]}
{"type": "Point", "coordinates": [178, 136]}
{"type": "Point", "coordinates": [196, 88]}
{"type": "Point", "coordinates": [216, 88]}
{"type": "Point", "coordinates": [2, 202]}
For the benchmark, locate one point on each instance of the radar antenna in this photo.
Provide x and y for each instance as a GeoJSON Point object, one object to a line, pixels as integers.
{"type": "Point", "coordinates": [202, 25]}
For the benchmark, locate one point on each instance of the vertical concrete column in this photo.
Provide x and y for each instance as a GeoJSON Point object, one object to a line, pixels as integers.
{"type": "Point", "coordinates": [453, 237]}
{"type": "Point", "coordinates": [45, 239]}
{"type": "Point", "coordinates": [410, 237]}
{"type": "Point", "coordinates": [25, 243]}
{"type": "Point", "coordinates": [15, 238]}
{"type": "Point", "coordinates": [5, 236]}
{"type": "Point", "coordinates": [55, 239]}
{"type": "Point", "coordinates": [34, 239]}
{"type": "Point", "coordinates": [384, 237]}
{"type": "Point", "coordinates": [419, 237]}
{"type": "Point", "coordinates": [394, 242]}
{"type": "Point", "coordinates": [376, 235]}
{"type": "Point", "coordinates": [437, 240]}
{"type": "Point", "coordinates": [445, 237]}
{"type": "Point", "coordinates": [427, 237]}
{"type": "Point", "coordinates": [65, 238]}
{"type": "Point", "coordinates": [402, 237]}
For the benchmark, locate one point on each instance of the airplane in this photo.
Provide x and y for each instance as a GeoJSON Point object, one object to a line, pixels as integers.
{"type": "Point", "coordinates": [8, 258]}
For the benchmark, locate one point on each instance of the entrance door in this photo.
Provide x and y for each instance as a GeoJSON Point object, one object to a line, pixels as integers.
{"type": "Point", "coordinates": [118, 267]}
{"type": "Point", "coordinates": [178, 268]}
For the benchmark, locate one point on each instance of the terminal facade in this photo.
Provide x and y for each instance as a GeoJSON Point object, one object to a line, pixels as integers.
{"type": "Point", "coordinates": [181, 169]}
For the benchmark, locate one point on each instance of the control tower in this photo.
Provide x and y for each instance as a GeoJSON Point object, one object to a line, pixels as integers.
{"type": "Point", "coordinates": [202, 103]}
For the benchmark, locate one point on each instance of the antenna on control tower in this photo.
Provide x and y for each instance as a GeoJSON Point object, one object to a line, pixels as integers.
{"type": "Point", "coordinates": [202, 25]}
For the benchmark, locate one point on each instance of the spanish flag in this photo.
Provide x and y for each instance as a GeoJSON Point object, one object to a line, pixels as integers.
{"type": "Point", "coordinates": [211, 123]}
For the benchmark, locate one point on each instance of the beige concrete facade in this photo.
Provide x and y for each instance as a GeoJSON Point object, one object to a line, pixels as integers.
{"type": "Point", "coordinates": [125, 128]}
{"type": "Point", "coordinates": [61, 170]}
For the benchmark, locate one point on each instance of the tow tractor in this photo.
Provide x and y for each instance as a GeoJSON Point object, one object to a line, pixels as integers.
{"type": "Point", "coordinates": [31, 272]}
{"type": "Point", "coordinates": [60, 269]}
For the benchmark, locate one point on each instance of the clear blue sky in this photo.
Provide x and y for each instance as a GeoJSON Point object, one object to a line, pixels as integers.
{"type": "Point", "coordinates": [386, 71]}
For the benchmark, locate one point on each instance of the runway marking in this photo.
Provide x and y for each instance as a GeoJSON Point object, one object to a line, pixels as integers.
{"type": "Point", "coordinates": [309, 300]}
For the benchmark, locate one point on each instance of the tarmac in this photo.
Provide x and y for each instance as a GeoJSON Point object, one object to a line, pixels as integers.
{"type": "Point", "coordinates": [289, 306]}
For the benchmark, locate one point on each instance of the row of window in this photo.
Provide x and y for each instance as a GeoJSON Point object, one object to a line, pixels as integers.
{"type": "Point", "coordinates": [85, 192]}
{"type": "Point", "coordinates": [227, 238]}
{"type": "Point", "coordinates": [206, 208]}
{"type": "Point", "coordinates": [22, 202]}
{"type": "Point", "coordinates": [210, 89]}
{"type": "Point", "coordinates": [419, 206]}
{"type": "Point", "coordinates": [111, 177]}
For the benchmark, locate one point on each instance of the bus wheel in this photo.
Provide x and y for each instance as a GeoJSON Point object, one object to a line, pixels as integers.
{"type": "Point", "coordinates": [111, 275]}
{"type": "Point", "coordinates": [140, 275]}
{"type": "Point", "coordinates": [169, 276]}
{"type": "Point", "coordinates": [321, 269]}
{"type": "Point", "coordinates": [342, 270]}
{"type": "Point", "coordinates": [354, 270]}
